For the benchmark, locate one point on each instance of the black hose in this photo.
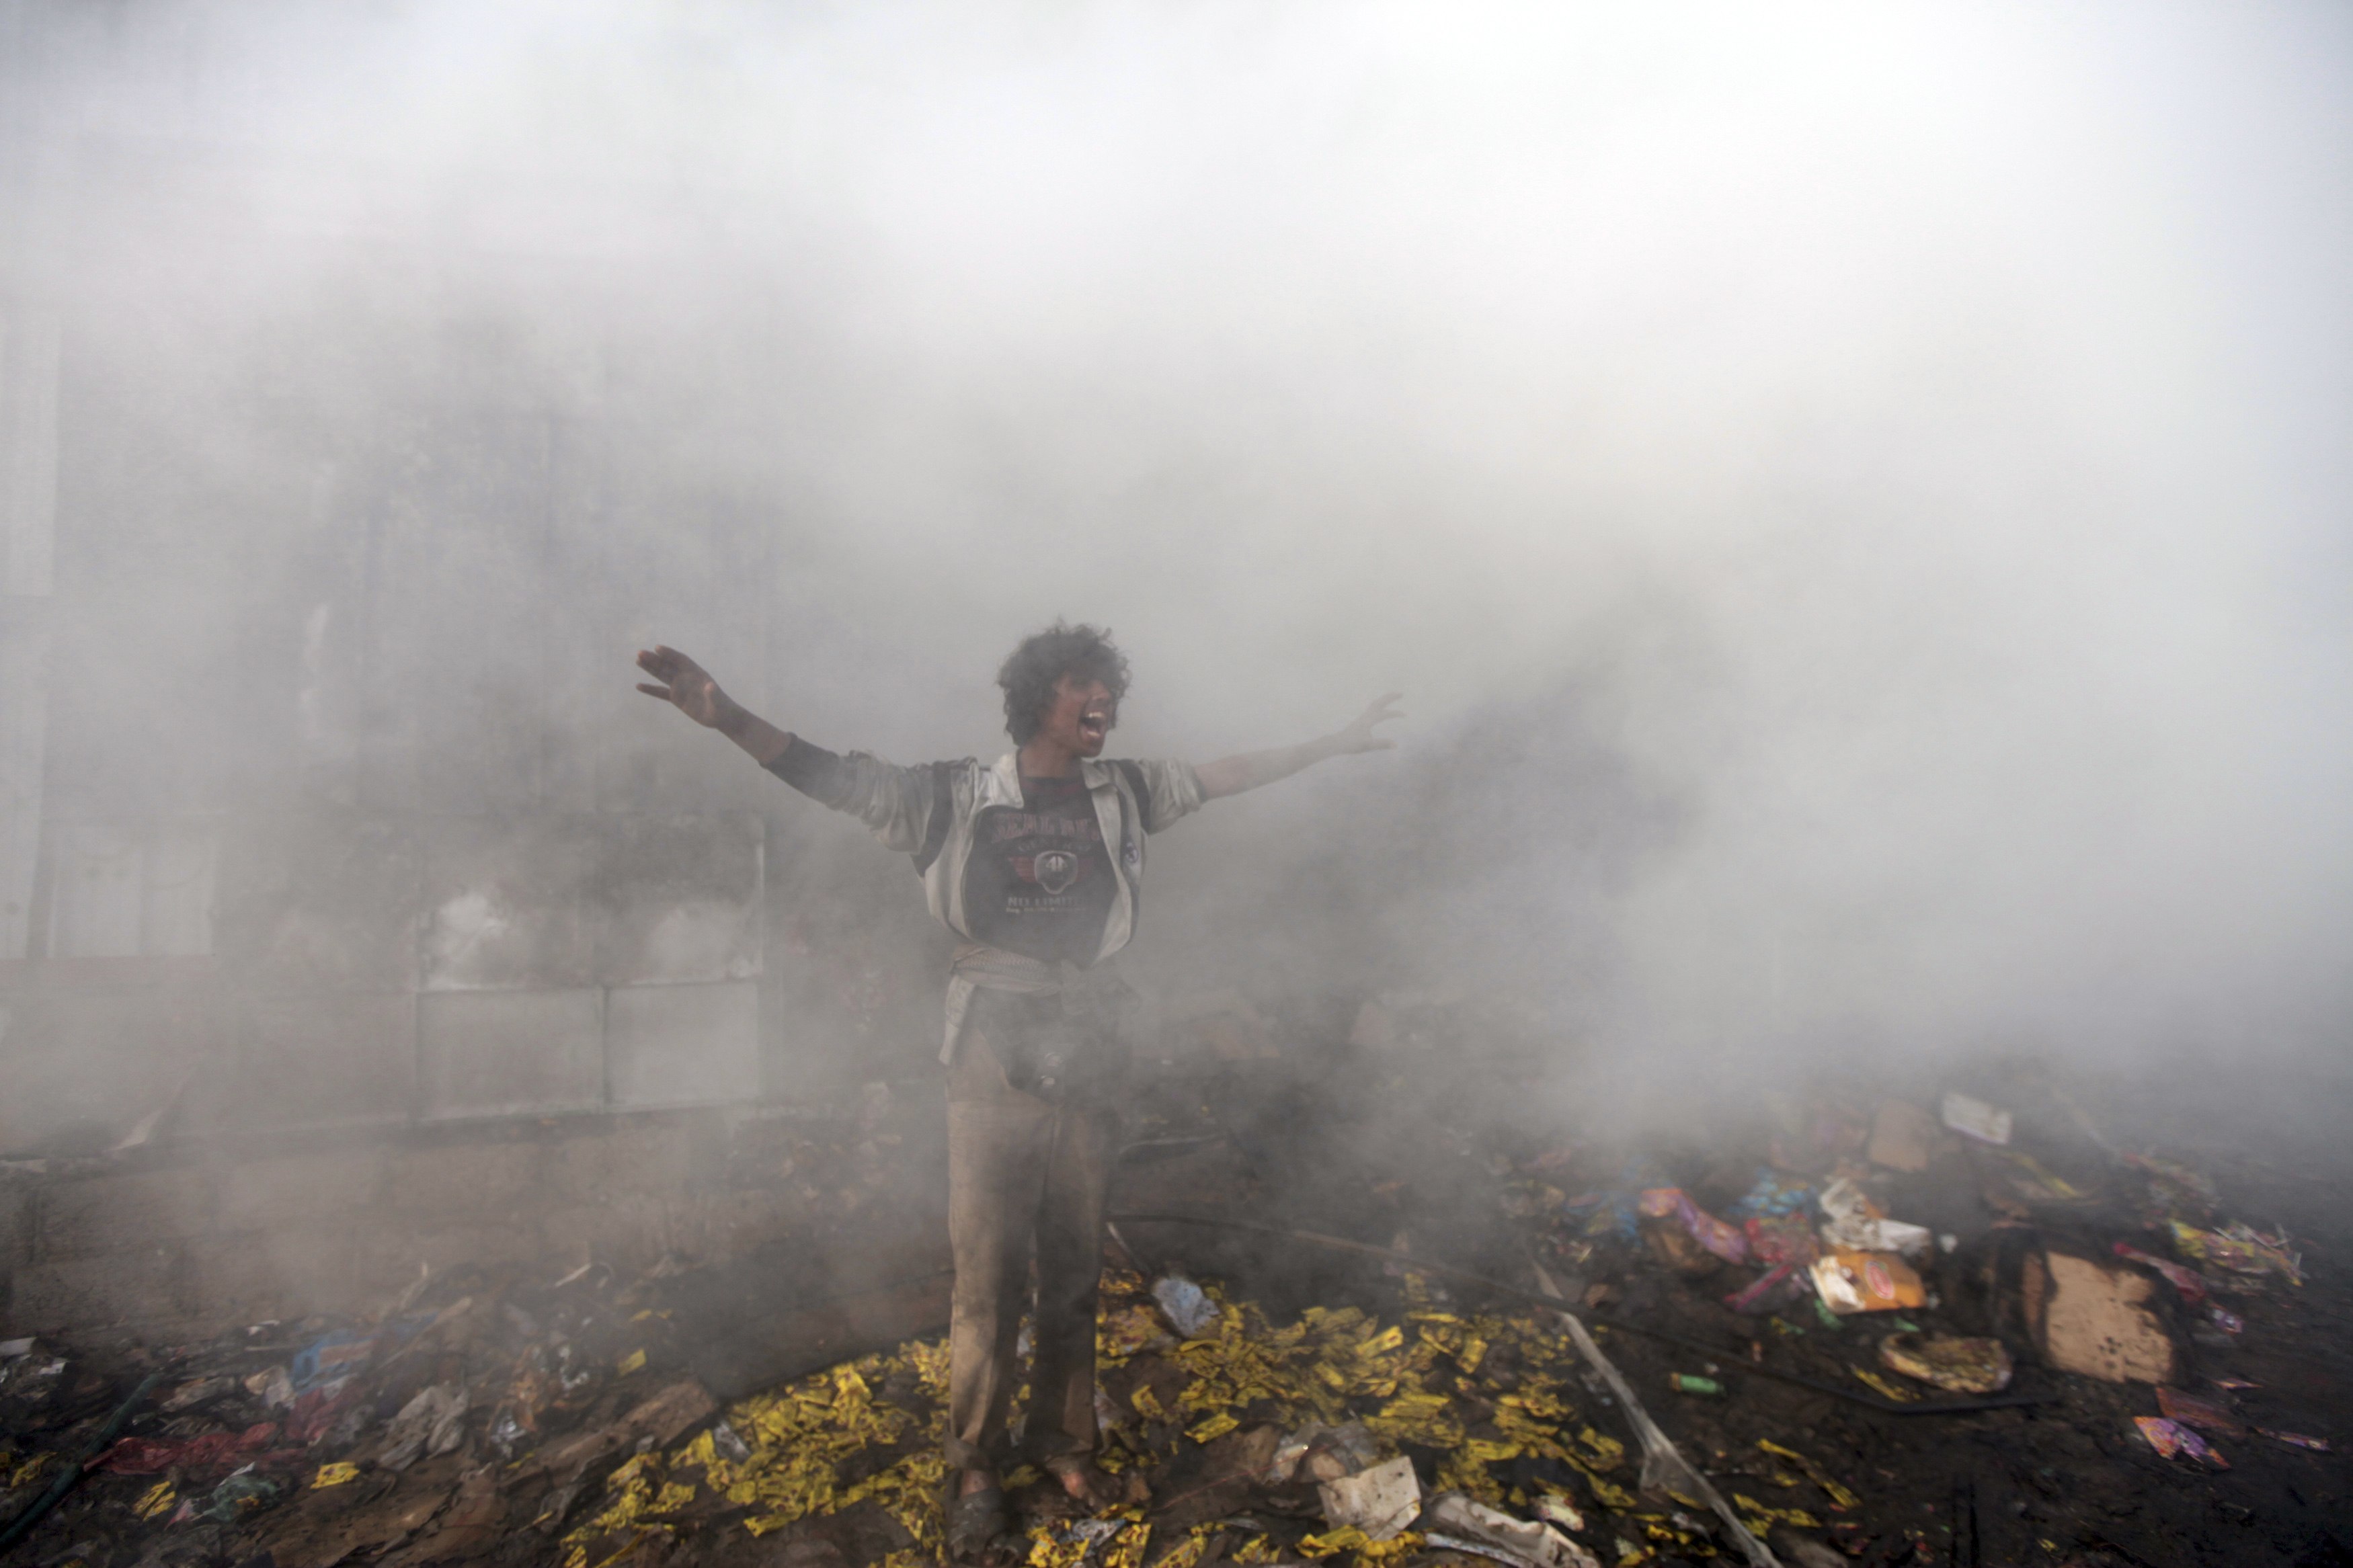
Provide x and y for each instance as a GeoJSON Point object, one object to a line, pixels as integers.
{"type": "Point", "coordinates": [1422, 1265]}
{"type": "Point", "coordinates": [72, 1474]}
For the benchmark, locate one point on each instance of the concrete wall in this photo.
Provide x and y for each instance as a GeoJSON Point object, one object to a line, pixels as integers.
{"type": "Point", "coordinates": [197, 1240]}
{"type": "Point", "coordinates": [380, 970]}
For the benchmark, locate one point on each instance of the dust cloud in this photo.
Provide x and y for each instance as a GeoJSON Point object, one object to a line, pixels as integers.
{"type": "Point", "coordinates": [1854, 499]}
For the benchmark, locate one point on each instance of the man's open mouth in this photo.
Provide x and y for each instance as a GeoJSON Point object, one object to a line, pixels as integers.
{"type": "Point", "coordinates": [1093, 726]}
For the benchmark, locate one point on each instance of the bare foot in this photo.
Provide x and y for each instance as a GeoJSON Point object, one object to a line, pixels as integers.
{"type": "Point", "coordinates": [1086, 1486]}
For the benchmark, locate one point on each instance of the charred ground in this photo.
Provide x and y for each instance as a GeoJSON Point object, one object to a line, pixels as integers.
{"type": "Point", "coordinates": [781, 1407]}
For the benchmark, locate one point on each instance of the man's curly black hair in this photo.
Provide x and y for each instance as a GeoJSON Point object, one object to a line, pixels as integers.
{"type": "Point", "coordinates": [1029, 672]}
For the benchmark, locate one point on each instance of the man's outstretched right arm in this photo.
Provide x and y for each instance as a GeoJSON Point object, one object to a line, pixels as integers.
{"type": "Point", "coordinates": [688, 687]}
{"type": "Point", "coordinates": [895, 802]}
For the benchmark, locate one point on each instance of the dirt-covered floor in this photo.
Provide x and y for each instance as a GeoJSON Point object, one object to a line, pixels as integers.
{"type": "Point", "coordinates": [588, 1421]}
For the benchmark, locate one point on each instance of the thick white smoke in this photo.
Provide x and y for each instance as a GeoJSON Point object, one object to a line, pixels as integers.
{"type": "Point", "coordinates": [1856, 499]}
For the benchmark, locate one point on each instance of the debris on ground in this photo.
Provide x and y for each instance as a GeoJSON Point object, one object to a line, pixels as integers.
{"type": "Point", "coordinates": [2173, 1439]}
{"type": "Point", "coordinates": [1850, 1282]}
{"type": "Point", "coordinates": [1379, 1501]}
{"type": "Point", "coordinates": [1974, 1118]}
{"type": "Point", "coordinates": [1955, 1365]}
{"type": "Point", "coordinates": [2099, 1319]}
{"type": "Point", "coordinates": [1855, 1330]}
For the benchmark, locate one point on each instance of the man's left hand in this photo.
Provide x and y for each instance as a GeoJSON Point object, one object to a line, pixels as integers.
{"type": "Point", "coordinates": [1359, 735]}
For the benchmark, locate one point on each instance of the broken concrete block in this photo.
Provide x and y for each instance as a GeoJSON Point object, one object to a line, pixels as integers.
{"type": "Point", "coordinates": [2097, 1318]}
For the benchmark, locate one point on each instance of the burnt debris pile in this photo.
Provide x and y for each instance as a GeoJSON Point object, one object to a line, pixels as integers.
{"type": "Point", "coordinates": [1370, 1297]}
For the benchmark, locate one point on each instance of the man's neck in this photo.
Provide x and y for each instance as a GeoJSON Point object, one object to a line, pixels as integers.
{"type": "Point", "coordinates": [1043, 759]}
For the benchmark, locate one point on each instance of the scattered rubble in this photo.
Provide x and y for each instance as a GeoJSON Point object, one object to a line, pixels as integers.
{"type": "Point", "coordinates": [1447, 1330]}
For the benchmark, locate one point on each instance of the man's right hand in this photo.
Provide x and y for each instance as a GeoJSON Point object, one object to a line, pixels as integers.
{"type": "Point", "coordinates": [687, 686]}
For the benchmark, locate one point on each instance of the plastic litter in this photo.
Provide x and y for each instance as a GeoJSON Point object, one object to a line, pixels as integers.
{"type": "Point", "coordinates": [332, 1356]}
{"type": "Point", "coordinates": [1841, 1497]}
{"type": "Point", "coordinates": [2203, 1414]}
{"type": "Point", "coordinates": [2176, 1190]}
{"type": "Point", "coordinates": [1725, 1241]}
{"type": "Point", "coordinates": [274, 1388]}
{"type": "Point", "coordinates": [2172, 1439]}
{"type": "Point", "coordinates": [1558, 1513]}
{"type": "Point", "coordinates": [1458, 1519]}
{"type": "Point", "coordinates": [1690, 1383]}
{"type": "Point", "coordinates": [153, 1456]}
{"type": "Point", "coordinates": [1851, 1282]}
{"type": "Point", "coordinates": [2029, 1181]}
{"type": "Point", "coordinates": [431, 1423]}
{"type": "Point", "coordinates": [1784, 1238]}
{"type": "Point", "coordinates": [195, 1391]}
{"type": "Point", "coordinates": [727, 1444]}
{"type": "Point", "coordinates": [1774, 1193]}
{"type": "Point", "coordinates": [1856, 1224]}
{"type": "Point", "coordinates": [1882, 1386]}
{"type": "Point", "coordinates": [1190, 1311]}
{"type": "Point", "coordinates": [2297, 1440]}
{"type": "Point", "coordinates": [2241, 1250]}
{"type": "Point", "coordinates": [11, 1349]}
{"type": "Point", "coordinates": [1975, 1118]}
{"type": "Point", "coordinates": [1776, 1288]}
{"type": "Point", "coordinates": [1960, 1365]}
{"type": "Point", "coordinates": [240, 1493]}
{"type": "Point", "coordinates": [1380, 1502]}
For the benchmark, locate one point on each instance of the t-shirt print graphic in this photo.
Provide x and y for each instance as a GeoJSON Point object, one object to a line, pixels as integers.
{"type": "Point", "coordinates": [1039, 881]}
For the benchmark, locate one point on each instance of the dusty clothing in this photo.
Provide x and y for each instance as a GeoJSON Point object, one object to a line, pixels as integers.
{"type": "Point", "coordinates": [1024, 1168]}
{"type": "Point", "coordinates": [1043, 880]}
{"type": "Point", "coordinates": [1039, 881]}
{"type": "Point", "coordinates": [941, 815]}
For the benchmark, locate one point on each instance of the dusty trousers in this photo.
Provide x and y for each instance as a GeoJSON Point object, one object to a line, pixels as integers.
{"type": "Point", "coordinates": [1025, 1173]}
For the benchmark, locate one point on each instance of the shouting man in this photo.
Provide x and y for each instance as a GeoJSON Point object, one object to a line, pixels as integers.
{"type": "Point", "coordinates": [1036, 862]}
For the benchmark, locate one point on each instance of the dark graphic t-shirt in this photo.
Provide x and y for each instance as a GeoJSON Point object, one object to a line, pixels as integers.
{"type": "Point", "coordinates": [1039, 882]}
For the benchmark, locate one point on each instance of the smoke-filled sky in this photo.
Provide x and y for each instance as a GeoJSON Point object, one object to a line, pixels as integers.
{"type": "Point", "coordinates": [1856, 497]}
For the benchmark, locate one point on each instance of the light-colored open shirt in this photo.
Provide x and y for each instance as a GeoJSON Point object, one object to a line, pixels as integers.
{"type": "Point", "coordinates": [902, 805]}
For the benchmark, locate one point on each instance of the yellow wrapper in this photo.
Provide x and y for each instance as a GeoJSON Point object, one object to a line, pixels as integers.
{"type": "Point", "coordinates": [1347, 1538]}
{"type": "Point", "coordinates": [1884, 1388]}
{"type": "Point", "coordinates": [1187, 1551]}
{"type": "Point", "coordinates": [1841, 1499]}
{"type": "Point", "coordinates": [1760, 1518]}
{"type": "Point", "coordinates": [1216, 1427]}
{"type": "Point", "coordinates": [334, 1475]}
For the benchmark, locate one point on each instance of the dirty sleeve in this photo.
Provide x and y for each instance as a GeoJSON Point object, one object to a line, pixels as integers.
{"type": "Point", "coordinates": [1166, 793]}
{"type": "Point", "coordinates": [895, 801]}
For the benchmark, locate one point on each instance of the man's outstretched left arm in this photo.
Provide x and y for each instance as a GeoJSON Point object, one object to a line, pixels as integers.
{"type": "Point", "coordinates": [1247, 770]}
